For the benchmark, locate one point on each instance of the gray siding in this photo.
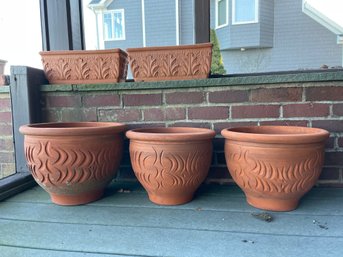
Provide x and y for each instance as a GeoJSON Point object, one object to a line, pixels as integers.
{"type": "Point", "coordinates": [133, 24]}
{"type": "Point", "coordinates": [251, 35]}
{"type": "Point", "coordinates": [186, 22]}
{"type": "Point", "coordinates": [266, 21]}
{"type": "Point", "coordinates": [160, 22]}
{"type": "Point", "coordinates": [299, 43]}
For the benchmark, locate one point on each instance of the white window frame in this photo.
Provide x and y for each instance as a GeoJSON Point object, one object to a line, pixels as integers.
{"type": "Point", "coordinates": [112, 12]}
{"type": "Point", "coordinates": [256, 20]}
{"type": "Point", "coordinates": [227, 14]}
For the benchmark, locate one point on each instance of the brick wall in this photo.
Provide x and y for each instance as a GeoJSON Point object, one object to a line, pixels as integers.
{"type": "Point", "coordinates": [7, 166]}
{"type": "Point", "coordinates": [213, 103]}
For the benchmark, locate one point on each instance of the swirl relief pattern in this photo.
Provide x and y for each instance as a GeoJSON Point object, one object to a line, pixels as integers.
{"type": "Point", "coordinates": [171, 64]}
{"type": "Point", "coordinates": [52, 165]}
{"type": "Point", "coordinates": [281, 175]}
{"type": "Point", "coordinates": [159, 169]}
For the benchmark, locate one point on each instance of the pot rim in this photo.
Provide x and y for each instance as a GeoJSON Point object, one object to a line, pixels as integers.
{"type": "Point", "coordinates": [276, 134]}
{"type": "Point", "coordinates": [82, 52]}
{"type": "Point", "coordinates": [72, 128]}
{"type": "Point", "coordinates": [163, 48]}
{"type": "Point", "coordinates": [170, 134]}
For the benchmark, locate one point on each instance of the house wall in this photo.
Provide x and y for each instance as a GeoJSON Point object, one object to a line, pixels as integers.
{"type": "Point", "coordinates": [7, 166]}
{"type": "Point", "coordinates": [280, 99]}
{"type": "Point", "coordinates": [299, 43]}
{"type": "Point", "coordinates": [186, 22]}
{"type": "Point", "coordinates": [133, 24]}
{"type": "Point", "coordinates": [160, 22]}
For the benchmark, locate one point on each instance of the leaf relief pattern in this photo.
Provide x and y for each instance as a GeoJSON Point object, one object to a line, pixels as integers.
{"type": "Point", "coordinates": [82, 71]}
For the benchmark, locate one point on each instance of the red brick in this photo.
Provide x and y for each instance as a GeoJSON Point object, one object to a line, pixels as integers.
{"type": "Point", "coordinates": [5, 117]}
{"type": "Point", "coordinates": [51, 115]}
{"type": "Point", "coordinates": [208, 113]}
{"type": "Point", "coordinates": [120, 115]}
{"type": "Point", "coordinates": [330, 143]}
{"type": "Point", "coordinates": [330, 125]}
{"type": "Point", "coordinates": [333, 158]}
{"type": "Point", "coordinates": [142, 99]}
{"type": "Point", "coordinates": [5, 104]}
{"type": "Point", "coordinates": [276, 95]}
{"type": "Point", "coordinates": [155, 114]}
{"type": "Point", "coordinates": [329, 174]}
{"type": "Point", "coordinates": [191, 124]}
{"type": "Point", "coordinates": [101, 100]}
{"type": "Point", "coordinates": [337, 109]}
{"type": "Point", "coordinates": [229, 96]}
{"type": "Point", "coordinates": [175, 113]}
{"type": "Point", "coordinates": [184, 98]}
{"type": "Point", "coordinates": [325, 93]}
{"type": "Point", "coordinates": [306, 110]}
{"type": "Point", "coordinates": [6, 144]}
{"type": "Point", "coordinates": [255, 111]}
{"type": "Point", "coordinates": [79, 114]}
{"type": "Point", "coordinates": [218, 127]}
{"type": "Point", "coordinates": [300, 123]}
{"type": "Point", "coordinates": [64, 101]}
{"type": "Point", "coordinates": [6, 130]}
{"type": "Point", "coordinates": [146, 125]}
{"type": "Point", "coordinates": [340, 142]}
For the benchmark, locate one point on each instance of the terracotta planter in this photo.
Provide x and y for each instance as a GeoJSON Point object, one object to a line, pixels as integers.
{"type": "Point", "coordinates": [171, 163]}
{"type": "Point", "coordinates": [81, 67]}
{"type": "Point", "coordinates": [73, 162]}
{"type": "Point", "coordinates": [171, 62]}
{"type": "Point", "coordinates": [275, 165]}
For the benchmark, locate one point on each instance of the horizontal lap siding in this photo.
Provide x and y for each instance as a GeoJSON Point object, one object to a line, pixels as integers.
{"type": "Point", "coordinates": [133, 24]}
{"type": "Point", "coordinates": [300, 104]}
{"type": "Point", "coordinates": [160, 22]}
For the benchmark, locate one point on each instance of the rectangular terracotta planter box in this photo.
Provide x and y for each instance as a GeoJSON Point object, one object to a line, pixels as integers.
{"type": "Point", "coordinates": [85, 66]}
{"type": "Point", "coordinates": [171, 62]}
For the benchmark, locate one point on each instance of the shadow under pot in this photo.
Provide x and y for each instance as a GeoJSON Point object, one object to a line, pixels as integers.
{"type": "Point", "coordinates": [171, 163]}
{"type": "Point", "coordinates": [73, 162]}
{"type": "Point", "coordinates": [275, 165]}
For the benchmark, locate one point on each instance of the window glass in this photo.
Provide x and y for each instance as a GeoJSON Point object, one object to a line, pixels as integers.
{"type": "Point", "coordinates": [244, 11]}
{"type": "Point", "coordinates": [261, 36]}
{"type": "Point", "coordinates": [20, 43]}
{"type": "Point", "coordinates": [114, 25]}
{"type": "Point", "coordinates": [222, 12]}
{"type": "Point", "coordinates": [108, 26]}
{"type": "Point", "coordinates": [118, 25]}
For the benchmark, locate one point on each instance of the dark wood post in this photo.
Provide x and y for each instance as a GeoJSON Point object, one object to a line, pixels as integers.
{"type": "Point", "coordinates": [202, 21]}
{"type": "Point", "coordinates": [62, 26]}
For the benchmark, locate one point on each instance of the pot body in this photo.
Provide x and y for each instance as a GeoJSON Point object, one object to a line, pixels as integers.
{"type": "Point", "coordinates": [275, 165]}
{"type": "Point", "coordinates": [73, 162]}
{"type": "Point", "coordinates": [171, 163]}
{"type": "Point", "coordinates": [85, 66]}
{"type": "Point", "coordinates": [171, 62]}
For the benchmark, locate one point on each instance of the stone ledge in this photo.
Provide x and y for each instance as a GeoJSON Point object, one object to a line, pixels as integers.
{"type": "Point", "coordinates": [228, 80]}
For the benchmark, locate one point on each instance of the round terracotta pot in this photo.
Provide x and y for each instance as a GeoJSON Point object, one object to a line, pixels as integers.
{"type": "Point", "coordinates": [171, 163]}
{"type": "Point", "coordinates": [73, 162]}
{"type": "Point", "coordinates": [274, 165]}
